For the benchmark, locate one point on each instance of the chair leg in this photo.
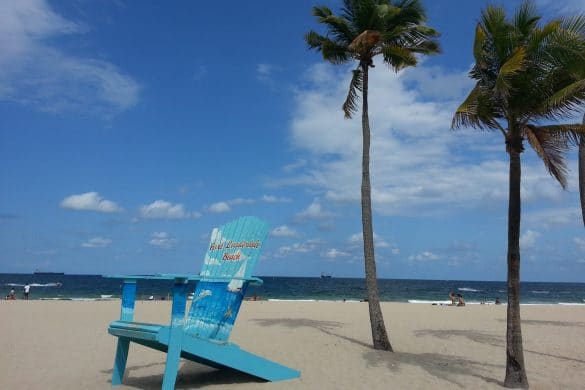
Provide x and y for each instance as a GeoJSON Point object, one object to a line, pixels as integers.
{"type": "Point", "coordinates": [171, 367]}
{"type": "Point", "coordinates": [120, 362]}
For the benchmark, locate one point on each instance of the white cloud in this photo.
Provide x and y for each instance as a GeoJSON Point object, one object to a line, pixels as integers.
{"type": "Point", "coordinates": [42, 252]}
{"type": "Point", "coordinates": [436, 83]}
{"type": "Point", "coordinates": [529, 239]}
{"type": "Point", "coordinates": [418, 166]}
{"type": "Point", "coordinates": [219, 207]}
{"type": "Point", "coordinates": [34, 72]}
{"type": "Point", "coordinates": [299, 247]}
{"type": "Point", "coordinates": [580, 242]}
{"type": "Point", "coordinates": [334, 253]}
{"type": "Point", "coordinates": [90, 201]}
{"type": "Point", "coordinates": [238, 201]}
{"type": "Point", "coordinates": [313, 211]}
{"type": "Point", "coordinates": [294, 166]}
{"type": "Point", "coordinates": [96, 242]}
{"type": "Point", "coordinates": [284, 231]}
{"type": "Point", "coordinates": [424, 256]}
{"type": "Point", "coordinates": [357, 239]}
{"type": "Point", "coordinates": [568, 7]}
{"type": "Point", "coordinates": [226, 205]}
{"type": "Point", "coordinates": [275, 199]}
{"type": "Point", "coordinates": [264, 72]}
{"type": "Point", "coordinates": [162, 240]}
{"type": "Point", "coordinates": [161, 209]}
{"type": "Point", "coordinates": [555, 217]}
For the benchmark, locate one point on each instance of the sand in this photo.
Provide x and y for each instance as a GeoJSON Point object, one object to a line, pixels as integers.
{"type": "Point", "coordinates": [65, 345]}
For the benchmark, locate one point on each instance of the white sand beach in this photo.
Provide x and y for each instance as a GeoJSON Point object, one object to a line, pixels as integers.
{"type": "Point", "coordinates": [65, 345]}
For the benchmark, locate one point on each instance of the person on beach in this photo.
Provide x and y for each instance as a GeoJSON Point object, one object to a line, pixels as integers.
{"type": "Point", "coordinates": [461, 300]}
{"type": "Point", "coordinates": [11, 295]}
{"type": "Point", "coordinates": [452, 297]}
{"type": "Point", "coordinates": [498, 301]}
{"type": "Point", "coordinates": [26, 291]}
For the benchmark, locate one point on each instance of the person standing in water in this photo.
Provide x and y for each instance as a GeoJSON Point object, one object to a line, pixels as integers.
{"type": "Point", "coordinates": [26, 291]}
{"type": "Point", "coordinates": [452, 297]}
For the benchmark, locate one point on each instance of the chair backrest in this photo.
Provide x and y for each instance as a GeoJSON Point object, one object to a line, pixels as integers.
{"type": "Point", "coordinates": [233, 252]}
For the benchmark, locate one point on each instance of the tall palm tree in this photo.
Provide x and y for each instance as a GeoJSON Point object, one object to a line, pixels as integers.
{"type": "Point", "coordinates": [395, 30]}
{"type": "Point", "coordinates": [523, 78]}
{"type": "Point", "coordinates": [582, 173]}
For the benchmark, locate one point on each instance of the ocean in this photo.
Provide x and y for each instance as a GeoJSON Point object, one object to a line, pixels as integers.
{"type": "Point", "coordinates": [96, 287]}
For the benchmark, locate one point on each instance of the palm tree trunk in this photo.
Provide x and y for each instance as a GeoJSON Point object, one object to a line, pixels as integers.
{"type": "Point", "coordinates": [515, 370]}
{"type": "Point", "coordinates": [379, 335]}
{"type": "Point", "coordinates": [582, 173]}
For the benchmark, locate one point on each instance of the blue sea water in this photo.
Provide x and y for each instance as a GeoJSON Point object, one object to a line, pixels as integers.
{"type": "Point", "coordinates": [294, 288]}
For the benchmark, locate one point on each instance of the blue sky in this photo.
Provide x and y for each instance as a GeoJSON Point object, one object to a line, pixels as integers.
{"type": "Point", "coordinates": [128, 131]}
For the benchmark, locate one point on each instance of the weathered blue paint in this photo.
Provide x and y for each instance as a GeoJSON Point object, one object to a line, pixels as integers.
{"type": "Point", "coordinates": [123, 345]}
{"type": "Point", "coordinates": [128, 300]}
{"type": "Point", "coordinates": [175, 334]}
{"type": "Point", "coordinates": [233, 251]}
{"type": "Point", "coordinates": [232, 254]}
{"type": "Point", "coordinates": [179, 302]}
{"type": "Point", "coordinates": [213, 316]}
{"type": "Point", "coordinates": [122, 349]}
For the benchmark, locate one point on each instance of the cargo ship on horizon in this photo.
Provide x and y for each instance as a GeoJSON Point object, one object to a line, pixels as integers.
{"type": "Point", "coordinates": [38, 272]}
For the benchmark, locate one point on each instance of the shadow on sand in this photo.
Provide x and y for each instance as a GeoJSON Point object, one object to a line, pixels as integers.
{"type": "Point", "coordinates": [191, 375]}
{"type": "Point", "coordinates": [549, 323]}
{"type": "Point", "coordinates": [443, 367]}
{"type": "Point", "coordinates": [492, 339]}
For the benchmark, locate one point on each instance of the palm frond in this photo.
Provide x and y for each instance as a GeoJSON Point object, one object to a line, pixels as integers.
{"type": "Point", "coordinates": [570, 134]}
{"type": "Point", "coordinates": [575, 24]}
{"type": "Point", "coordinates": [365, 15]}
{"type": "Point", "coordinates": [493, 19]}
{"type": "Point", "coordinates": [411, 11]}
{"type": "Point", "coordinates": [416, 38]}
{"type": "Point", "coordinates": [331, 50]}
{"type": "Point", "coordinates": [388, 11]}
{"type": "Point", "coordinates": [525, 18]}
{"type": "Point", "coordinates": [512, 66]}
{"type": "Point", "coordinates": [398, 57]}
{"type": "Point", "coordinates": [567, 100]}
{"type": "Point", "coordinates": [540, 37]}
{"type": "Point", "coordinates": [339, 28]}
{"type": "Point", "coordinates": [335, 53]}
{"type": "Point", "coordinates": [479, 42]}
{"type": "Point", "coordinates": [476, 111]}
{"type": "Point", "coordinates": [550, 149]}
{"type": "Point", "coordinates": [314, 40]}
{"type": "Point", "coordinates": [355, 86]}
{"type": "Point", "coordinates": [466, 113]}
{"type": "Point", "coordinates": [322, 11]}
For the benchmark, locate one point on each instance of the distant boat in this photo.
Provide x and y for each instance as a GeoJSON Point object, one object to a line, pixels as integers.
{"type": "Point", "coordinates": [325, 276]}
{"type": "Point", "coordinates": [37, 272]}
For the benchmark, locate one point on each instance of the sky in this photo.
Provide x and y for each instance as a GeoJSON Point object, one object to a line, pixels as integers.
{"type": "Point", "coordinates": [129, 130]}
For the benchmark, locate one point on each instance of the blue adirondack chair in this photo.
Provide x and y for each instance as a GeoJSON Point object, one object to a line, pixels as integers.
{"type": "Point", "coordinates": [203, 335]}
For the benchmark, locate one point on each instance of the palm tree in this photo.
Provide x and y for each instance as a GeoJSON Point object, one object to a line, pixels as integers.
{"type": "Point", "coordinates": [394, 30]}
{"type": "Point", "coordinates": [523, 78]}
{"type": "Point", "coordinates": [582, 173]}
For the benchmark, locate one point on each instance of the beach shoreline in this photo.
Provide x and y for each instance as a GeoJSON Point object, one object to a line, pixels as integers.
{"type": "Point", "coordinates": [65, 344]}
